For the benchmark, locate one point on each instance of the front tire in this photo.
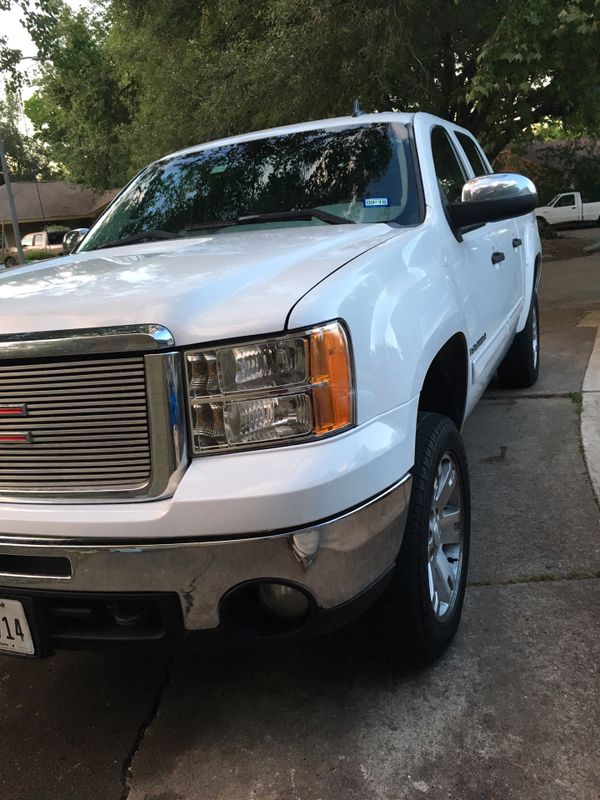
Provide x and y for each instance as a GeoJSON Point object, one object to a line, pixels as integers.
{"type": "Point", "coordinates": [421, 608]}
{"type": "Point", "coordinates": [521, 365]}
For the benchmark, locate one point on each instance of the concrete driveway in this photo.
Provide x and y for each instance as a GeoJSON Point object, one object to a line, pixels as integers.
{"type": "Point", "coordinates": [512, 711]}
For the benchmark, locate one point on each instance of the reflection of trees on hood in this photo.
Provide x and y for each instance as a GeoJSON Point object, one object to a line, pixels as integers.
{"type": "Point", "coordinates": [300, 170]}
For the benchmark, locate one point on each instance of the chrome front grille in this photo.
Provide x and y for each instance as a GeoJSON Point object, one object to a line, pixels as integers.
{"type": "Point", "coordinates": [74, 425]}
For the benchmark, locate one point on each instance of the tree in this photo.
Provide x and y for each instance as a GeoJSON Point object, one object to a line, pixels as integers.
{"type": "Point", "coordinates": [493, 67]}
{"type": "Point", "coordinates": [78, 109]}
{"type": "Point", "coordinates": [9, 56]}
{"type": "Point", "coordinates": [27, 159]}
{"type": "Point", "coordinates": [139, 78]}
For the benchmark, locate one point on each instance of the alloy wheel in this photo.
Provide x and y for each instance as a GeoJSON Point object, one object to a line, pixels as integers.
{"type": "Point", "coordinates": [446, 538]}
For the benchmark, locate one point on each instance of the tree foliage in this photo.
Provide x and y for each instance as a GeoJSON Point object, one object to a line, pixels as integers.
{"type": "Point", "coordinates": [139, 78]}
{"type": "Point", "coordinates": [557, 166]}
{"type": "Point", "coordinates": [79, 108]}
{"type": "Point", "coordinates": [27, 158]}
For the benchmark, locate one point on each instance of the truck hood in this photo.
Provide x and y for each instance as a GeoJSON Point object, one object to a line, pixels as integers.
{"type": "Point", "coordinates": [228, 284]}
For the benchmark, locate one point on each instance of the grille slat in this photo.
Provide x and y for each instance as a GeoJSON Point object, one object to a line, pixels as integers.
{"type": "Point", "coordinates": [75, 401]}
{"type": "Point", "coordinates": [67, 366]}
{"type": "Point", "coordinates": [88, 422]}
{"type": "Point", "coordinates": [80, 388]}
{"type": "Point", "coordinates": [59, 419]}
{"type": "Point", "coordinates": [65, 377]}
{"type": "Point", "coordinates": [82, 425]}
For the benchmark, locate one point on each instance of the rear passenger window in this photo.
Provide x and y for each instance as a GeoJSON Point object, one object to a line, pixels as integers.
{"type": "Point", "coordinates": [449, 172]}
{"type": "Point", "coordinates": [473, 155]}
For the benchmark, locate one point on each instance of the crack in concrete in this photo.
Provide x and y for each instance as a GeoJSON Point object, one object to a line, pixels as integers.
{"type": "Point", "coordinates": [503, 396]}
{"type": "Point", "coordinates": [127, 768]}
{"type": "Point", "coordinates": [574, 576]}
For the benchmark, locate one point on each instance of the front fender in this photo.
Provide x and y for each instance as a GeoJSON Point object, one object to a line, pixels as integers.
{"type": "Point", "coordinates": [399, 302]}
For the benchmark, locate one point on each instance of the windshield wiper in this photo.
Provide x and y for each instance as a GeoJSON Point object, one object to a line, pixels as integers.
{"type": "Point", "coordinates": [303, 214]}
{"type": "Point", "coordinates": [143, 236]}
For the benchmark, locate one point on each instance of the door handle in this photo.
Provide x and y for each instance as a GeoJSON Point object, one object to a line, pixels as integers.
{"type": "Point", "coordinates": [497, 257]}
{"type": "Point", "coordinates": [517, 242]}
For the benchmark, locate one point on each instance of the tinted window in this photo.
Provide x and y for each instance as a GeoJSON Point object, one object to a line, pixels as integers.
{"type": "Point", "coordinates": [362, 173]}
{"type": "Point", "coordinates": [473, 155]}
{"type": "Point", "coordinates": [448, 170]}
{"type": "Point", "coordinates": [56, 237]}
{"type": "Point", "coordinates": [565, 200]}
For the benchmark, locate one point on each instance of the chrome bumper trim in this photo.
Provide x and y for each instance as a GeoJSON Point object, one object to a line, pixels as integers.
{"type": "Point", "coordinates": [333, 560]}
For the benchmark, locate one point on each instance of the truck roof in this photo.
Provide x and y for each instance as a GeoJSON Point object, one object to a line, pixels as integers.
{"type": "Point", "coordinates": [334, 122]}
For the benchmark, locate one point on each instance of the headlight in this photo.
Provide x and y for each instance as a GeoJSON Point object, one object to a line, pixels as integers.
{"type": "Point", "coordinates": [283, 389]}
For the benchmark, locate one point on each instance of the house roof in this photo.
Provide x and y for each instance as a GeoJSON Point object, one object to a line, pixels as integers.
{"type": "Point", "coordinates": [52, 201]}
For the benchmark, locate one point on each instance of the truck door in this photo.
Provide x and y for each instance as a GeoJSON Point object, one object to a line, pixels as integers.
{"type": "Point", "coordinates": [487, 272]}
{"type": "Point", "coordinates": [509, 237]}
{"type": "Point", "coordinates": [564, 210]}
{"type": "Point", "coordinates": [39, 241]}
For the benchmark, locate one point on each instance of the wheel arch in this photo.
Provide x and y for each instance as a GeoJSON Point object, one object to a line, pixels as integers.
{"type": "Point", "coordinates": [445, 384]}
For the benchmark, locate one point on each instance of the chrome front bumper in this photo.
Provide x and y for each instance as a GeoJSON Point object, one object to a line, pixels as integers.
{"type": "Point", "coordinates": [334, 561]}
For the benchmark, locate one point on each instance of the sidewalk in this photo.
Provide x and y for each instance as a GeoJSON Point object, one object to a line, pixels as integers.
{"type": "Point", "coordinates": [590, 409]}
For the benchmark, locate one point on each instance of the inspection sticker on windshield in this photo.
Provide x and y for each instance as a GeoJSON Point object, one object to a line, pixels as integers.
{"type": "Point", "coordinates": [372, 202]}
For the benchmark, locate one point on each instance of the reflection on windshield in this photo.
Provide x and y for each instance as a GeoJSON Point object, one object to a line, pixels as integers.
{"type": "Point", "coordinates": [362, 173]}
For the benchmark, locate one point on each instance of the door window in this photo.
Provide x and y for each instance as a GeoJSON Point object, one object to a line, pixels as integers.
{"type": "Point", "coordinates": [565, 200]}
{"type": "Point", "coordinates": [473, 155]}
{"type": "Point", "coordinates": [27, 241]}
{"type": "Point", "coordinates": [448, 169]}
{"type": "Point", "coordinates": [38, 240]}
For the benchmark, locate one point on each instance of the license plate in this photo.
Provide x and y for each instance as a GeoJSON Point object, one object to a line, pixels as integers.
{"type": "Point", "coordinates": [15, 636]}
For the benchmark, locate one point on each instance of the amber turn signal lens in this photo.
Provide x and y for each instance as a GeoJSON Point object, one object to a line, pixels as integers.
{"type": "Point", "coordinates": [330, 371]}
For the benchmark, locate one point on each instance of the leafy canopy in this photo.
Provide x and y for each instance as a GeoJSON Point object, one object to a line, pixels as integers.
{"type": "Point", "coordinates": [135, 79]}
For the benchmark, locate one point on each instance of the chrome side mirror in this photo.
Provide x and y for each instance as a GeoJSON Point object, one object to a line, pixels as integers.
{"type": "Point", "coordinates": [72, 239]}
{"type": "Point", "coordinates": [492, 198]}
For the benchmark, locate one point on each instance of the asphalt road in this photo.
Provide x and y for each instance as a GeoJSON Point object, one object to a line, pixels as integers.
{"type": "Point", "coordinates": [512, 711]}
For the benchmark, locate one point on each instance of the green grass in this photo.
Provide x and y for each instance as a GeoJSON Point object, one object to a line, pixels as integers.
{"type": "Point", "coordinates": [38, 255]}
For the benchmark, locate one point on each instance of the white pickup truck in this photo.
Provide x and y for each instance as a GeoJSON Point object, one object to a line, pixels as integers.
{"type": "Point", "coordinates": [39, 245]}
{"type": "Point", "coordinates": [568, 208]}
{"type": "Point", "coordinates": [236, 408]}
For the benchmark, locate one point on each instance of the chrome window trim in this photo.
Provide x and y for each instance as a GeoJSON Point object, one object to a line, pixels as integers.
{"type": "Point", "coordinates": [87, 341]}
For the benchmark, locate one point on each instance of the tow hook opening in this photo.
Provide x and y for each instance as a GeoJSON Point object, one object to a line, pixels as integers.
{"type": "Point", "coordinates": [130, 614]}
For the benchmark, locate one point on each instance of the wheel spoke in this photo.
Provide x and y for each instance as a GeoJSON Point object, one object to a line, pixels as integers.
{"type": "Point", "coordinates": [443, 577]}
{"type": "Point", "coordinates": [446, 484]}
{"type": "Point", "coordinates": [450, 526]}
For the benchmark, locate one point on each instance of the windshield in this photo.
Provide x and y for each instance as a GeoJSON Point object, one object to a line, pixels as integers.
{"type": "Point", "coordinates": [361, 173]}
